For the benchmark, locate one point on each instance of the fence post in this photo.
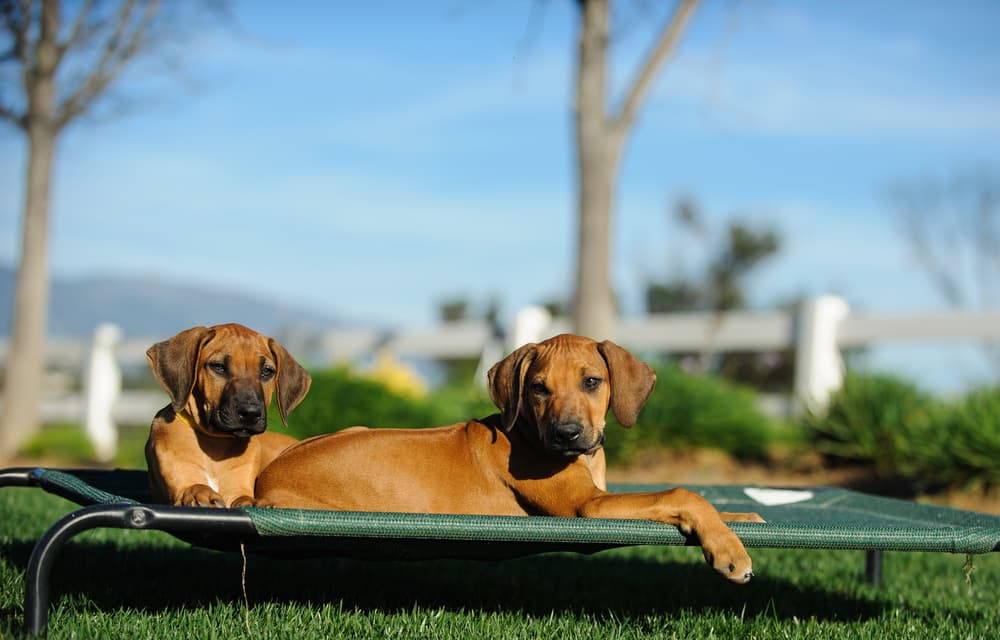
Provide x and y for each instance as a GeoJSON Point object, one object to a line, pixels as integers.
{"type": "Point", "coordinates": [819, 368]}
{"type": "Point", "coordinates": [102, 385]}
{"type": "Point", "coordinates": [530, 325]}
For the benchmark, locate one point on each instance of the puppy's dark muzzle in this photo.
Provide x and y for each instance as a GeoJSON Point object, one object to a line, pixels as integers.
{"type": "Point", "coordinates": [243, 416]}
{"type": "Point", "coordinates": [569, 438]}
{"type": "Point", "coordinates": [565, 433]}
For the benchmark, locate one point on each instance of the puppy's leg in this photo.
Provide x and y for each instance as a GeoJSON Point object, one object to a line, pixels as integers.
{"type": "Point", "coordinates": [691, 514]}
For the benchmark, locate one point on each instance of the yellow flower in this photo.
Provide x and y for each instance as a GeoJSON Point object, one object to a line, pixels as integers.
{"type": "Point", "coordinates": [396, 376]}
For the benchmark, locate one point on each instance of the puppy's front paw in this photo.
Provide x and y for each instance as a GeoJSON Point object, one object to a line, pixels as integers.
{"type": "Point", "coordinates": [243, 501]}
{"type": "Point", "coordinates": [200, 495]}
{"type": "Point", "coordinates": [726, 554]}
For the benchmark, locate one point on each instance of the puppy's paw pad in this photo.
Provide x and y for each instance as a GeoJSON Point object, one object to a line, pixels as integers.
{"type": "Point", "coordinates": [200, 495]}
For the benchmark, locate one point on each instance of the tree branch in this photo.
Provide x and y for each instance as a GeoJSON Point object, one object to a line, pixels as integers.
{"type": "Point", "coordinates": [8, 114]}
{"type": "Point", "coordinates": [77, 33]}
{"type": "Point", "coordinates": [16, 18]}
{"type": "Point", "coordinates": [122, 45]}
{"type": "Point", "coordinates": [918, 211]}
{"type": "Point", "coordinates": [661, 51]}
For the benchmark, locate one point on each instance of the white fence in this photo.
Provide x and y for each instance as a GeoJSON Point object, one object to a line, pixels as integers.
{"type": "Point", "coordinates": [818, 332]}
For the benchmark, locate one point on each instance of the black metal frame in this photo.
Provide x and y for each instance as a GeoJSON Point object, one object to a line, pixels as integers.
{"type": "Point", "coordinates": [185, 522]}
{"type": "Point", "coordinates": [873, 567]}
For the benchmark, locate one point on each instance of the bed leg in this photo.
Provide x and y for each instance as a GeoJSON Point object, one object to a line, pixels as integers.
{"type": "Point", "coordinates": [36, 575]}
{"type": "Point", "coordinates": [873, 567]}
{"type": "Point", "coordinates": [230, 522]}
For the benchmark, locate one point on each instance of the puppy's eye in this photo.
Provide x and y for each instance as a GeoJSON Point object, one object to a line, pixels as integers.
{"type": "Point", "coordinates": [590, 383]}
{"type": "Point", "coordinates": [218, 367]}
{"type": "Point", "coordinates": [267, 372]}
{"type": "Point", "coordinates": [539, 389]}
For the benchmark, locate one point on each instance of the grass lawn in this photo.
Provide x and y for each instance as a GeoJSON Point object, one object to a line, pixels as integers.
{"type": "Point", "coordinates": [145, 584]}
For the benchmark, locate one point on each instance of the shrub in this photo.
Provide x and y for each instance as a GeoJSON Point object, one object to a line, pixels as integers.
{"type": "Point", "coordinates": [692, 411]}
{"type": "Point", "coordinates": [61, 442]}
{"type": "Point", "coordinates": [968, 439]}
{"type": "Point", "coordinates": [881, 420]}
{"type": "Point", "coordinates": [67, 444]}
{"type": "Point", "coordinates": [889, 424]}
{"type": "Point", "coordinates": [340, 398]}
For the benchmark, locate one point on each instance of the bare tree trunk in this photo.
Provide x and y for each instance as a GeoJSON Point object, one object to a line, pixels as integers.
{"type": "Point", "coordinates": [103, 38]}
{"type": "Point", "coordinates": [26, 359]}
{"type": "Point", "coordinates": [600, 137]}
{"type": "Point", "coordinates": [598, 150]}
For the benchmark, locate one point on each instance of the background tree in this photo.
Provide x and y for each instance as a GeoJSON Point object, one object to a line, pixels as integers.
{"type": "Point", "coordinates": [736, 252]}
{"type": "Point", "coordinates": [57, 60]}
{"type": "Point", "coordinates": [601, 132]}
{"type": "Point", "coordinates": [952, 226]}
{"type": "Point", "coordinates": [734, 256]}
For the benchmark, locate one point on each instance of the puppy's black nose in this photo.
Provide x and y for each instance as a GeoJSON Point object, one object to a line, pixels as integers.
{"type": "Point", "coordinates": [567, 432]}
{"type": "Point", "coordinates": [249, 413]}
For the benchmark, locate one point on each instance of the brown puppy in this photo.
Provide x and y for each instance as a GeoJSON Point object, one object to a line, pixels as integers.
{"type": "Point", "coordinates": [208, 445]}
{"type": "Point", "coordinates": [541, 455]}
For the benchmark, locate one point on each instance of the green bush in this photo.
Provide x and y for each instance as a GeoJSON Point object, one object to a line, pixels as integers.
{"type": "Point", "coordinates": [340, 398]}
{"type": "Point", "coordinates": [67, 444]}
{"type": "Point", "coordinates": [900, 431]}
{"type": "Point", "coordinates": [968, 440]}
{"type": "Point", "coordinates": [60, 442]}
{"type": "Point", "coordinates": [697, 411]}
{"type": "Point", "coordinates": [880, 420]}
{"type": "Point", "coordinates": [459, 403]}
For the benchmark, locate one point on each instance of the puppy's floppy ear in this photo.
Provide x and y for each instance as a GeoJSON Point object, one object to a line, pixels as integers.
{"type": "Point", "coordinates": [174, 361]}
{"type": "Point", "coordinates": [293, 381]}
{"type": "Point", "coordinates": [632, 381]}
{"type": "Point", "coordinates": [505, 380]}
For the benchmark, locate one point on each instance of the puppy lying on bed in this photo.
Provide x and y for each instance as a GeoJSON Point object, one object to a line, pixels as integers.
{"type": "Point", "coordinates": [541, 455]}
{"type": "Point", "coordinates": [208, 445]}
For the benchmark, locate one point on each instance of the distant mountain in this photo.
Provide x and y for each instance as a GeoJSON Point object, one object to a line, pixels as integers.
{"type": "Point", "coordinates": [153, 307]}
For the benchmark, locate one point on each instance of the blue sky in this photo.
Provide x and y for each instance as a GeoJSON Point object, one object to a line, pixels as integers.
{"type": "Point", "coordinates": [374, 159]}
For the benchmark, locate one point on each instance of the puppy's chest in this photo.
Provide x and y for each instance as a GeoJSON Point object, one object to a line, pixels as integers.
{"type": "Point", "coordinates": [229, 475]}
{"type": "Point", "coordinates": [226, 461]}
{"type": "Point", "coordinates": [211, 480]}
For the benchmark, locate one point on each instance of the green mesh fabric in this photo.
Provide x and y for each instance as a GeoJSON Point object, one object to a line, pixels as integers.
{"type": "Point", "coordinates": [830, 519]}
{"type": "Point", "coordinates": [82, 487]}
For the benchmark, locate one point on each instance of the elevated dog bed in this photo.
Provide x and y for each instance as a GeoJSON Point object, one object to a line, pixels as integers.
{"type": "Point", "coordinates": [808, 518]}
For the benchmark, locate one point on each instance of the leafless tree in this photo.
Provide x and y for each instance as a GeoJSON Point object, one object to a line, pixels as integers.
{"type": "Point", "coordinates": [600, 137]}
{"type": "Point", "coordinates": [57, 60]}
{"type": "Point", "coordinates": [952, 227]}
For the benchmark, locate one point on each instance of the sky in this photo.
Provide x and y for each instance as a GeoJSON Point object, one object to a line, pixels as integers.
{"type": "Point", "coordinates": [375, 159]}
